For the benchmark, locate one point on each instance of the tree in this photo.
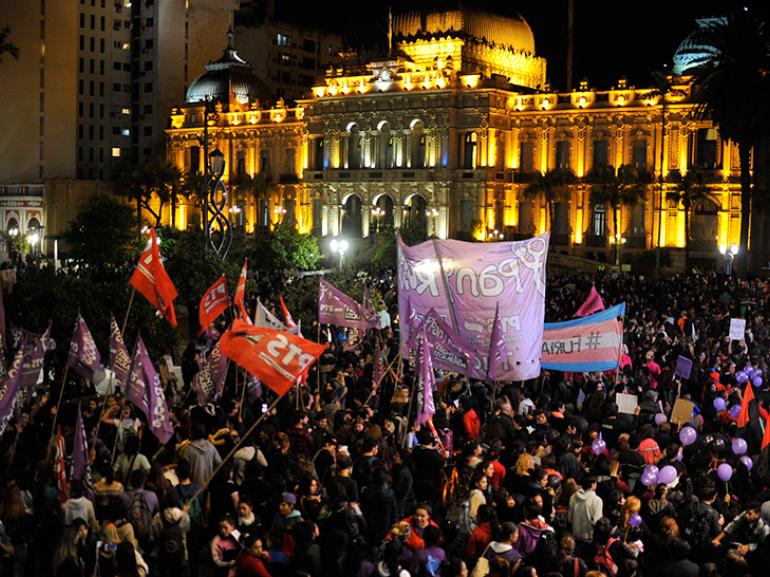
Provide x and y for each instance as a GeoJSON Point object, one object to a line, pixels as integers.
{"type": "Point", "coordinates": [616, 189]}
{"type": "Point", "coordinates": [732, 88]}
{"type": "Point", "coordinates": [689, 191]}
{"type": "Point", "coordinates": [257, 187]}
{"type": "Point", "coordinates": [155, 179]}
{"type": "Point", "coordinates": [6, 46]}
{"type": "Point", "coordinates": [553, 186]}
{"type": "Point", "coordinates": [102, 232]}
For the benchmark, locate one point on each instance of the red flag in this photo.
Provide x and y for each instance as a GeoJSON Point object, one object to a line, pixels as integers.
{"type": "Point", "coordinates": [151, 279]}
{"type": "Point", "coordinates": [286, 314]}
{"type": "Point", "coordinates": [748, 396]}
{"type": "Point", "coordinates": [766, 436]}
{"type": "Point", "coordinates": [592, 305]}
{"type": "Point", "coordinates": [240, 290]}
{"type": "Point", "coordinates": [214, 302]}
{"type": "Point", "coordinates": [59, 468]}
{"type": "Point", "coordinates": [276, 358]}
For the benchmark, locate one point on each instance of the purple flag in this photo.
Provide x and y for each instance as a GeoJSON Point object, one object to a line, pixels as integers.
{"type": "Point", "coordinates": [476, 277]}
{"type": "Point", "coordinates": [447, 350]}
{"type": "Point", "coordinates": [81, 462]}
{"type": "Point", "coordinates": [84, 357]}
{"type": "Point", "coordinates": [120, 359]}
{"type": "Point", "coordinates": [496, 352]}
{"type": "Point", "coordinates": [209, 382]}
{"type": "Point", "coordinates": [425, 381]}
{"type": "Point", "coordinates": [337, 308]}
{"type": "Point", "coordinates": [11, 384]}
{"type": "Point", "coordinates": [366, 302]}
{"type": "Point", "coordinates": [33, 361]}
{"type": "Point", "coordinates": [146, 392]}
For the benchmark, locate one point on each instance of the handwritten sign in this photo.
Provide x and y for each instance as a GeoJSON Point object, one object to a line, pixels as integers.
{"type": "Point", "coordinates": [683, 367]}
{"type": "Point", "coordinates": [737, 329]}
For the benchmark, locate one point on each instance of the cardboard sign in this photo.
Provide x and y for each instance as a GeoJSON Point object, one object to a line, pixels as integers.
{"type": "Point", "coordinates": [682, 412]}
{"type": "Point", "coordinates": [626, 403]}
{"type": "Point", "coordinates": [737, 329]}
{"type": "Point", "coordinates": [683, 367]}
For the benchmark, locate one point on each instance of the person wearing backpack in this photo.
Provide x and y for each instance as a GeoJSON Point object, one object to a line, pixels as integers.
{"type": "Point", "coordinates": [142, 508]}
{"type": "Point", "coordinates": [613, 557]}
{"type": "Point", "coordinates": [172, 526]}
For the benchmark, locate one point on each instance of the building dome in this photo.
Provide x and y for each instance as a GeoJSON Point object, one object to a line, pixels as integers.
{"type": "Point", "coordinates": [690, 54]}
{"type": "Point", "coordinates": [512, 32]}
{"type": "Point", "coordinates": [228, 78]}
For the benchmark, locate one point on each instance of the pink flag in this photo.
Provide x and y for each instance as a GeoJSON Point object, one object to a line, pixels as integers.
{"type": "Point", "coordinates": [11, 383]}
{"type": "Point", "coordinates": [81, 462]}
{"type": "Point", "coordinates": [209, 382]}
{"type": "Point", "coordinates": [426, 381]}
{"type": "Point", "coordinates": [447, 350]}
{"type": "Point", "coordinates": [337, 308]}
{"type": "Point", "coordinates": [33, 361]}
{"type": "Point", "coordinates": [593, 304]}
{"type": "Point", "coordinates": [366, 302]}
{"type": "Point", "coordinates": [379, 364]}
{"type": "Point", "coordinates": [496, 353]}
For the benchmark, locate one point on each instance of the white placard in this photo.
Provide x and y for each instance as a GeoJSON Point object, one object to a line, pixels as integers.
{"type": "Point", "coordinates": [737, 329]}
{"type": "Point", "coordinates": [626, 403]}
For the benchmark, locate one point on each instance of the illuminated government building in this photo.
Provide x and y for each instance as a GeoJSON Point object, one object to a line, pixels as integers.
{"type": "Point", "coordinates": [444, 135]}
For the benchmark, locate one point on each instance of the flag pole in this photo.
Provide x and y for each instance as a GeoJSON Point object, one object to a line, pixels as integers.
{"type": "Point", "coordinates": [235, 448]}
{"type": "Point", "coordinates": [109, 386]}
{"type": "Point", "coordinates": [243, 394]}
{"type": "Point", "coordinates": [318, 367]}
{"type": "Point", "coordinates": [61, 395]}
{"type": "Point", "coordinates": [445, 282]}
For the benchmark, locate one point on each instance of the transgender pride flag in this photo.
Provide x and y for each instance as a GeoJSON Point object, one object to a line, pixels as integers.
{"type": "Point", "coordinates": [589, 344]}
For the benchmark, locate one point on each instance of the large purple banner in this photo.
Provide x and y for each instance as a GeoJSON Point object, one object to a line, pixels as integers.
{"type": "Point", "coordinates": [478, 276]}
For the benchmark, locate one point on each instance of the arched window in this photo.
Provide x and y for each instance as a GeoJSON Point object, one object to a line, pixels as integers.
{"type": "Point", "coordinates": [417, 145]}
{"type": "Point", "coordinates": [354, 147]}
{"type": "Point", "coordinates": [385, 143]}
{"type": "Point", "coordinates": [318, 153]}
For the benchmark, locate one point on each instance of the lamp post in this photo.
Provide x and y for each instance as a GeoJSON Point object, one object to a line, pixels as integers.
{"type": "Point", "coordinates": [617, 240]}
{"type": "Point", "coordinates": [729, 256]}
{"type": "Point", "coordinates": [35, 239]}
{"type": "Point", "coordinates": [340, 247]}
{"type": "Point", "coordinates": [279, 212]}
{"type": "Point", "coordinates": [433, 213]}
{"type": "Point", "coordinates": [377, 212]}
{"type": "Point", "coordinates": [217, 202]}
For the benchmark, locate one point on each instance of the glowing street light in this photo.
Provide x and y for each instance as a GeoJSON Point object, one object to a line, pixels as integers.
{"type": "Point", "coordinates": [340, 247]}
{"type": "Point", "coordinates": [729, 255]}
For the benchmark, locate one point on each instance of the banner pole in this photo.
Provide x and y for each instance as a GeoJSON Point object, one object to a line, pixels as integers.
{"type": "Point", "coordinates": [235, 448]}
{"type": "Point", "coordinates": [61, 395]}
{"type": "Point", "coordinates": [318, 366]}
{"type": "Point", "coordinates": [445, 282]}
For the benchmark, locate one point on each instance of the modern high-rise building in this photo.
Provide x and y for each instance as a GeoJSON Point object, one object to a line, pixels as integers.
{"type": "Point", "coordinates": [92, 88]}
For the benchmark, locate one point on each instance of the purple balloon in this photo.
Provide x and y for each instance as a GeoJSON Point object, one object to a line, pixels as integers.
{"type": "Point", "coordinates": [747, 462]}
{"type": "Point", "coordinates": [651, 470]}
{"type": "Point", "coordinates": [667, 475]}
{"type": "Point", "coordinates": [598, 446]}
{"type": "Point", "coordinates": [741, 377]}
{"type": "Point", "coordinates": [724, 472]}
{"type": "Point", "coordinates": [635, 520]}
{"type": "Point", "coordinates": [757, 380]}
{"type": "Point", "coordinates": [735, 410]}
{"type": "Point", "coordinates": [719, 404]}
{"type": "Point", "coordinates": [649, 480]}
{"type": "Point", "coordinates": [749, 373]}
{"type": "Point", "coordinates": [688, 436]}
{"type": "Point", "coordinates": [757, 372]}
{"type": "Point", "coordinates": [660, 418]}
{"type": "Point", "coordinates": [739, 446]}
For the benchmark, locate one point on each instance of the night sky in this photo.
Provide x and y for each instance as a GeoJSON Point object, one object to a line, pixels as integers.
{"type": "Point", "coordinates": [612, 39]}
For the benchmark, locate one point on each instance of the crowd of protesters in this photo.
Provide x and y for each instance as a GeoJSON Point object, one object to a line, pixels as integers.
{"type": "Point", "coordinates": [335, 482]}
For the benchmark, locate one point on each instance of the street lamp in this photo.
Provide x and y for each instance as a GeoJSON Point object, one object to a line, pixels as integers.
{"type": "Point", "coordinates": [617, 240]}
{"type": "Point", "coordinates": [217, 201]}
{"type": "Point", "coordinates": [279, 212]}
{"type": "Point", "coordinates": [340, 247]}
{"type": "Point", "coordinates": [433, 213]}
{"type": "Point", "coordinates": [729, 256]}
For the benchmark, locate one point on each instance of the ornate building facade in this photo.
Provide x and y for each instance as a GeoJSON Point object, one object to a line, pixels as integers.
{"type": "Point", "coordinates": [445, 135]}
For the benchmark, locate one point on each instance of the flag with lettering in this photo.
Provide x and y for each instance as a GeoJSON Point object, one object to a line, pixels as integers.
{"type": "Point", "coordinates": [592, 304]}
{"type": "Point", "coordinates": [239, 299]}
{"type": "Point", "coordinates": [120, 359]}
{"type": "Point", "coordinates": [37, 347]}
{"type": "Point", "coordinates": [337, 308]}
{"type": "Point", "coordinates": [209, 382]}
{"type": "Point", "coordinates": [591, 343]}
{"type": "Point", "coordinates": [277, 358]}
{"type": "Point", "coordinates": [426, 381]}
{"type": "Point", "coordinates": [84, 357]}
{"type": "Point", "coordinates": [378, 372]}
{"type": "Point", "coordinates": [447, 350]}
{"type": "Point", "coordinates": [152, 281]}
{"type": "Point", "coordinates": [265, 319]}
{"type": "Point", "coordinates": [464, 282]}
{"type": "Point", "coordinates": [214, 302]}
{"type": "Point", "coordinates": [496, 352]}
{"type": "Point", "coordinates": [145, 391]}
{"type": "Point", "coordinates": [81, 464]}
{"type": "Point", "coordinates": [11, 383]}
